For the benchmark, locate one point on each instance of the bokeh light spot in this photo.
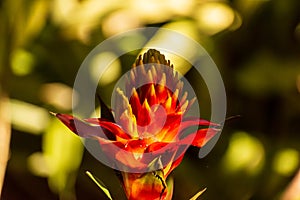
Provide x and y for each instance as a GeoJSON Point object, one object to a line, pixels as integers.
{"type": "Point", "coordinates": [28, 117]}
{"type": "Point", "coordinates": [101, 66]}
{"type": "Point", "coordinates": [214, 17]}
{"type": "Point", "coordinates": [245, 153]}
{"type": "Point", "coordinates": [134, 41]}
{"type": "Point", "coordinates": [58, 95]}
{"type": "Point", "coordinates": [286, 161]}
{"type": "Point", "coordinates": [22, 62]}
{"type": "Point", "coordinates": [37, 164]}
{"type": "Point", "coordinates": [120, 21]}
{"type": "Point", "coordinates": [151, 11]}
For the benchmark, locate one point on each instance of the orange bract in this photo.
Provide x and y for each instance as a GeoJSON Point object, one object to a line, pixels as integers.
{"type": "Point", "coordinates": [149, 127]}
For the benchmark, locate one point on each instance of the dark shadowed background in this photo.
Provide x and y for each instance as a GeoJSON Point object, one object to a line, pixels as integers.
{"type": "Point", "coordinates": [255, 44]}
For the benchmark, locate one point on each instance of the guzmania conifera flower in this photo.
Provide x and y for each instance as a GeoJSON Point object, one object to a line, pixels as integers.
{"type": "Point", "coordinates": [146, 134]}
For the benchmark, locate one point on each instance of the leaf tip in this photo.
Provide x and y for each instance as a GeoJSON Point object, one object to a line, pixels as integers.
{"type": "Point", "coordinates": [195, 197]}
{"type": "Point", "coordinates": [53, 113]}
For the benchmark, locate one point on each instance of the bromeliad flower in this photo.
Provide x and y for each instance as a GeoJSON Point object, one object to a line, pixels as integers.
{"type": "Point", "coordinates": [148, 131]}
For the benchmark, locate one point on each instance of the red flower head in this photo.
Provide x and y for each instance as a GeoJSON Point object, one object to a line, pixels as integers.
{"type": "Point", "coordinates": [146, 136]}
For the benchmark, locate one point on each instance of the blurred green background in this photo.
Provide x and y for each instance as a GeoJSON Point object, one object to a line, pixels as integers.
{"type": "Point", "coordinates": [255, 44]}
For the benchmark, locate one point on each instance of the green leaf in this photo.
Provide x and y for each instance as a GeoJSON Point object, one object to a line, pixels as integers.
{"type": "Point", "coordinates": [100, 184]}
{"type": "Point", "coordinates": [195, 197]}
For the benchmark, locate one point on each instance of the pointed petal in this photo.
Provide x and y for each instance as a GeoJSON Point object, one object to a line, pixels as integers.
{"type": "Point", "coordinates": [154, 73]}
{"type": "Point", "coordinates": [128, 122]}
{"type": "Point", "coordinates": [201, 122]}
{"type": "Point", "coordinates": [104, 130]}
{"type": "Point", "coordinates": [135, 102]}
{"type": "Point", "coordinates": [161, 92]}
{"type": "Point", "coordinates": [112, 127]}
{"type": "Point", "coordinates": [168, 105]}
{"type": "Point", "coordinates": [80, 128]}
{"type": "Point", "coordinates": [201, 137]}
{"type": "Point", "coordinates": [151, 96]}
{"type": "Point", "coordinates": [183, 98]}
{"type": "Point", "coordinates": [191, 102]}
{"type": "Point", "coordinates": [144, 118]}
{"type": "Point", "coordinates": [149, 76]}
{"type": "Point", "coordinates": [193, 121]}
{"type": "Point", "coordinates": [163, 80]}
{"type": "Point", "coordinates": [175, 99]}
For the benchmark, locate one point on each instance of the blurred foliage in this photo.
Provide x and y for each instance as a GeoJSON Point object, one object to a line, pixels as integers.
{"type": "Point", "coordinates": [255, 44]}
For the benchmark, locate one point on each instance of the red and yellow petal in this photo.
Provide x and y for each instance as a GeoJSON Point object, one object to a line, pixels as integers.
{"type": "Point", "coordinates": [104, 129]}
{"type": "Point", "coordinates": [151, 128]}
{"type": "Point", "coordinates": [151, 185]}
